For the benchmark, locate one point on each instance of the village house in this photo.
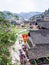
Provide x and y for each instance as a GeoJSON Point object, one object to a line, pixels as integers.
{"type": "Point", "coordinates": [46, 18]}
{"type": "Point", "coordinates": [26, 23]}
{"type": "Point", "coordinates": [40, 43]}
{"type": "Point", "coordinates": [44, 24]}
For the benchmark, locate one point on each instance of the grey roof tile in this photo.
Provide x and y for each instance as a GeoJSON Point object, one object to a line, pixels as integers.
{"type": "Point", "coordinates": [40, 36]}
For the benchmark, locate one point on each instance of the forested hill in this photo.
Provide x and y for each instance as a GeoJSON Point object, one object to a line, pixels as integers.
{"type": "Point", "coordinates": [8, 15]}
{"type": "Point", "coordinates": [46, 13]}
{"type": "Point", "coordinates": [27, 15]}
{"type": "Point", "coordinates": [22, 15]}
{"type": "Point", "coordinates": [7, 37]}
{"type": "Point", "coordinates": [42, 15]}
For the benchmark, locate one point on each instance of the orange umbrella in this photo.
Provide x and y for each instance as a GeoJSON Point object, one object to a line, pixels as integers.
{"type": "Point", "coordinates": [25, 37]}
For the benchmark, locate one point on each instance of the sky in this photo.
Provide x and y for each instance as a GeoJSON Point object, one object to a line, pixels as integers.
{"type": "Point", "coordinates": [17, 6]}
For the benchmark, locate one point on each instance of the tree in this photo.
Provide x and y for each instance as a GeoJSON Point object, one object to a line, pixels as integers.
{"type": "Point", "coordinates": [7, 38]}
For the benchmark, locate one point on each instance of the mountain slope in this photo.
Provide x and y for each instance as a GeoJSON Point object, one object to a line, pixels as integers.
{"type": "Point", "coordinates": [22, 15]}
{"type": "Point", "coordinates": [8, 15]}
{"type": "Point", "coordinates": [28, 15]}
{"type": "Point", "coordinates": [42, 15]}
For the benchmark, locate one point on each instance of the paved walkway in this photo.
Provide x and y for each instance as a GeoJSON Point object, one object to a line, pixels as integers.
{"type": "Point", "coordinates": [27, 63]}
{"type": "Point", "coordinates": [14, 49]}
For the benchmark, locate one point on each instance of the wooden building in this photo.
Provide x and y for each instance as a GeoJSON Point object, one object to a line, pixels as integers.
{"type": "Point", "coordinates": [40, 39]}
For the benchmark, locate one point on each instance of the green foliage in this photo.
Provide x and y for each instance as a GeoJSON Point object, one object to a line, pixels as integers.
{"type": "Point", "coordinates": [7, 37]}
{"type": "Point", "coordinates": [4, 55]}
{"type": "Point", "coordinates": [1, 18]}
{"type": "Point", "coordinates": [7, 15]}
{"type": "Point", "coordinates": [10, 13]}
{"type": "Point", "coordinates": [17, 17]}
{"type": "Point", "coordinates": [4, 60]}
{"type": "Point", "coordinates": [7, 34]}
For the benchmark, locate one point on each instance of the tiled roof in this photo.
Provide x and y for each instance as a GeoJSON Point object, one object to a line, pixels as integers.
{"type": "Point", "coordinates": [43, 24]}
{"type": "Point", "coordinates": [40, 36]}
{"type": "Point", "coordinates": [39, 51]}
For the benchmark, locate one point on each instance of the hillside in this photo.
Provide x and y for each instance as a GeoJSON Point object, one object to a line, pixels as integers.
{"type": "Point", "coordinates": [22, 15]}
{"type": "Point", "coordinates": [41, 16]}
{"type": "Point", "coordinates": [46, 13]}
{"type": "Point", "coordinates": [8, 15]}
{"type": "Point", "coordinates": [28, 15]}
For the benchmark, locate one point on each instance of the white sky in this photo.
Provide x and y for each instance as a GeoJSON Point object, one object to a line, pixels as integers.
{"type": "Point", "coordinates": [18, 6]}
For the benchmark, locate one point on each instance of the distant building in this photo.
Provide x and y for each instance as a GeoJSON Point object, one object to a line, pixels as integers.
{"type": "Point", "coordinates": [19, 21]}
{"type": "Point", "coordinates": [26, 23]}
{"type": "Point", "coordinates": [43, 24]}
{"type": "Point", "coordinates": [37, 18]}
{"type": "Point", "coordinates": [14, 22]}
{"type": "Point", "coordinates": [46, 18]}
{"type": "Point", "coordinates": [40, 18]}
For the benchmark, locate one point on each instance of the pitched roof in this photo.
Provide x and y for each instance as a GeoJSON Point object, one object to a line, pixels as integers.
{"type": "Point", "coordinates": [43, 24]}
{"type": "Point", "coordinates": [39, 51]}
{"type": "Point", "coordinates": [40, 36]}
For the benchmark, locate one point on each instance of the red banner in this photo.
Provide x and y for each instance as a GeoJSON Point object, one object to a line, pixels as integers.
{"type": "Point", "coordinates": [25, 37]}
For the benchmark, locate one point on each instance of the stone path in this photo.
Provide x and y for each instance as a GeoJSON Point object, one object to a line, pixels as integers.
{"type": "Point", "coordinates": [14, 49]}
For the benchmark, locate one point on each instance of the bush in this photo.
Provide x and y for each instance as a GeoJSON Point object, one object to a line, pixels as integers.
{"type": "Point", "coordinates": [7, 38]}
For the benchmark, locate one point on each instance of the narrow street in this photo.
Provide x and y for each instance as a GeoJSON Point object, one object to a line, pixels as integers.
{"type": "Point", "coordinates": [14, 49]}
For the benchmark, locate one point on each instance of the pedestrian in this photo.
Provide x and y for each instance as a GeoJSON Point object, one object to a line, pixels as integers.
{"type": "Point", "coordinates": [22, 57]}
